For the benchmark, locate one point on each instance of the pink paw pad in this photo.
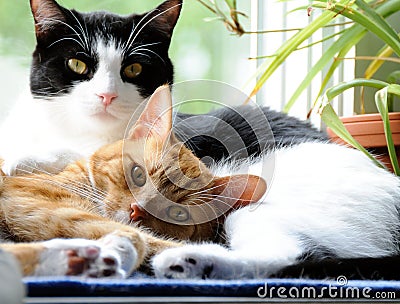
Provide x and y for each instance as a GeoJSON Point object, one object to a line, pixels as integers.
{"type": "Point", "coordinates": [87, 261]}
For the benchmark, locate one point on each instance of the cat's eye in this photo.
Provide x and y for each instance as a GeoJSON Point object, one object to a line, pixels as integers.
{"type": "Point", "coordinates": [178, 213]}
{"type": "Point", "coordinates": [138, 176]}
{"type": "Point", "coordinates": [133, 70]}
{"type": "Point", "coordinates": [77, 66]}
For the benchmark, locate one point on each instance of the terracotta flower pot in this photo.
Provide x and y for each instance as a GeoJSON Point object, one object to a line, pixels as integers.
{"type": "Point", "coordinates": [368, 130]}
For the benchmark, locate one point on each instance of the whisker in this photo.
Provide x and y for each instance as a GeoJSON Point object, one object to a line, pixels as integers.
{"type": "Point", "coordinates": [137, 53]}
{"type": "Point", "coordinates": [201, 207]}
{"type": "Point", "coordinates": [218, 200]}
{"type": "Point", "coordinates": [150, 51]}
{"type": "Point", "coordinates": [67, 38]}
{"type": "Point", "coordinates": [81, 43]}
{"type": "Point", "coordinates": [214, 196]}
{"type": "Point", "coordinates": [208, 189]}
{"type": "Point", "coordinates": [185, 138]}
{"type": "Point", "coordinates": [144, 45]}
{"type": "Point", "coordinates": [128, 42]}
{"type": "Point", "coordinates": [73, 186]}
{"type": "Point", "coordinates": [51, 96]}
{"type": "Point", "coordinates": [154, 17]}
{"type": "Point", "coordinates": [220, 237]}
{"type": "Point", "coordinates": [52, 182]}
{"type": "Point", "coordinates": [84, 33]}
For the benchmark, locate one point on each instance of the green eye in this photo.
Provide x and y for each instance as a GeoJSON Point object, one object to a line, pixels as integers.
{"type": "Point", "coordinates": [77, 66]}
{"type": "Point", "coordinates": [178, 213]}
{"type": "Point", "coordinates": [138, 176]}
{"type": "Point", "coordinates": [133, 70]}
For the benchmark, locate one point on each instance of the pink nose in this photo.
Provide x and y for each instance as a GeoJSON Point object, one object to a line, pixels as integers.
{"type": "Point", "coordinates": [107, 98]}
{"type": "Point", "coordinates": [137, 212]}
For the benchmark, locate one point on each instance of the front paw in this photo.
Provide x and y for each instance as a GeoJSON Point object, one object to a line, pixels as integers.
{"type": "Point", "coordinates": [192, 262]}
{"type": "Point", "coordinates": [50, 162]}
{"type": "Point", "coordinates": [80, 257]}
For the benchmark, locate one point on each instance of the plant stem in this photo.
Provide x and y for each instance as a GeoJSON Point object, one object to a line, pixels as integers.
{"type": "Point", "coordinates": [294, 29]}
{"type": "Point", "coordinates": [390, 59]}
{"type": "Point", "coordinates": [300, 48]}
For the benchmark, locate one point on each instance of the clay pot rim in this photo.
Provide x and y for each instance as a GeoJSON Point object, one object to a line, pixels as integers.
{"type": "Point", "coordinates": [368, 130]}
{"type": "Point", "coordinates": [368, 117]}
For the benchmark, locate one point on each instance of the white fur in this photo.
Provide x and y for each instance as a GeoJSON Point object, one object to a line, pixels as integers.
{"type": "Point", "coordinates": [321, 195]}
{"type": "Point", "coordinates": [75, 124]}
{"type": "Point", "coordinates": [12, 290]}
{"type": "Point", "coordinates": [54, 259]}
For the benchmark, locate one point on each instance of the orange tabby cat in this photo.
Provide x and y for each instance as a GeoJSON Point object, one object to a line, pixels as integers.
{"type": "Point", "coordinates": [80, 202]}
{"type": "Point", "coordinates": [92, 200]}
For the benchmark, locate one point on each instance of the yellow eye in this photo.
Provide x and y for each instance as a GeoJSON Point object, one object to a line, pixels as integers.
{"type": "Point", "coordinates": [138, 176]}
{"type": "Point", "coordinates": [77, 66]}
{"type": "Point", "coordinates": [178, 213]}
{"type": "Point", "coordinates": [133, 70]}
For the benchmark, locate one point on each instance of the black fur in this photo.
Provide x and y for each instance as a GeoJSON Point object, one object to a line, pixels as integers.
{"type": "Point", "coordinates": [208, 135]}
{"type": "Point", "coordinates": [385, 268]}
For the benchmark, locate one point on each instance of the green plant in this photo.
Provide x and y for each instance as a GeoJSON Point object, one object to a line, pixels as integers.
{"type": "Point", "coordinates": [366, 16]}
{"type": "Point", "coordinates": [225, 11]}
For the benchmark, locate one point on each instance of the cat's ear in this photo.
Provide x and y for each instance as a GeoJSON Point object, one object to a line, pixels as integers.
{"type": "Point", "coordinates": [156, 118]}
{"type": "Point", "coordinates": [239, 190]}
{"type": "Point", "coordinates": [166, 15]}
{"type": "Point", "coordinates": [46, 14]}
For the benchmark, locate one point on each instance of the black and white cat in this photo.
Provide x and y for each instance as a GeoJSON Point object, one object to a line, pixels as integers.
{"type": "Point", "coordinates": [89, 73]}
{"type": "Point", "coordinates": [324, 201]}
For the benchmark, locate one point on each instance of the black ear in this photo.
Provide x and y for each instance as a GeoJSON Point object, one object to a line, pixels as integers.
{"type": "Point", "coordinates": [47, 14]}
{"type": "Point", "coordinates": [166, 15]}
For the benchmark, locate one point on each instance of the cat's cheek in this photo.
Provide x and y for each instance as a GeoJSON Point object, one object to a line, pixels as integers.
{"type": "Point", "coordinates": [120, 216]}
{"type": "Point", "coordinates": [83, 102]}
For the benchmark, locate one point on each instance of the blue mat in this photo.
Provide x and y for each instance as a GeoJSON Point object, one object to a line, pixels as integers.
{"type": "Point", "coordinates": [140, 286]}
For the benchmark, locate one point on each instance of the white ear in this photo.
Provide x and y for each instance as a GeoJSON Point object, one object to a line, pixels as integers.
{"type": "Point", "coordinates": [156, 118]}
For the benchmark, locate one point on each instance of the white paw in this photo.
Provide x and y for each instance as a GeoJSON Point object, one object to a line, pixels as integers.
{"type": "Point", "coordinates": [86, 258]}
{"type": "Point", "coordinates": [125, 250]}
{"type": "Point", "coordinates": [49, 162]}
{"type": "Point", "coordinates": [12, 290]}
{"type": "Point", "coordinates": [192, 262]}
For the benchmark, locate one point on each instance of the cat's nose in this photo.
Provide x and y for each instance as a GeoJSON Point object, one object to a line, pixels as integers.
{"type": "Point", "coordinates": [107, 98]}
{"type": "Point", "coordinates": [137, 212]}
